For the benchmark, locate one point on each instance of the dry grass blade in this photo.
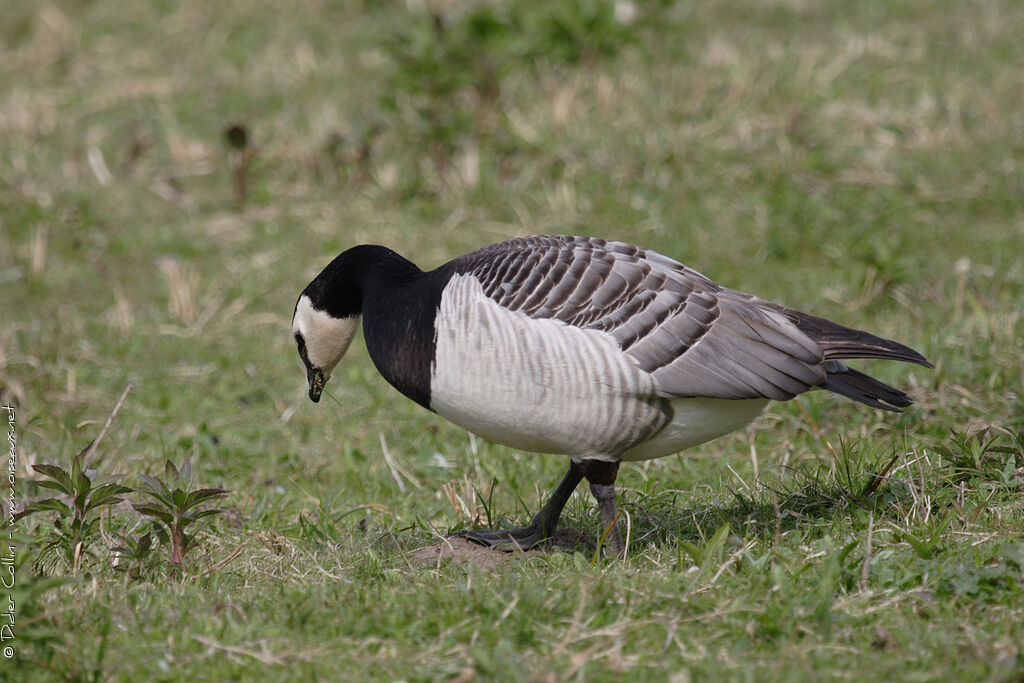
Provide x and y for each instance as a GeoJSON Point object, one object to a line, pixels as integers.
{"type": "Point", "coordinates": [263, 656]}
{"type": "Point", "coordinates": [227, 560]}
{"type": "Point", "coordinates": [106, 426]}
{"type": "Point", "coordinates": [866, 567]}
{"type": "Point", "coordinates": [182, 283]}
{"type": "Point", "coordinates": [397, 471]}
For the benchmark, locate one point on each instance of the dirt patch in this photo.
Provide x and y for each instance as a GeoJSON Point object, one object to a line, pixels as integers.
{"type": "Point", "coordinates": [458, 549]}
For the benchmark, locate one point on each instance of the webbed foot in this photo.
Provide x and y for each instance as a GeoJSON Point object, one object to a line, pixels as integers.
{"type": "Point", "coordinates": [541, 527]}
{"type": "Point", "coordinates": [508, 540]}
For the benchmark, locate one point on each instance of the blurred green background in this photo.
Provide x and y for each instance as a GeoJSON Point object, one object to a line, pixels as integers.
{"type": "Point", "coordinates": [860, 161]}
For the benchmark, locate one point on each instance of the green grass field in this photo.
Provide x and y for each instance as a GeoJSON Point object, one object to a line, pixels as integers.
{"type": "Point", "coordinates": [860, 161]}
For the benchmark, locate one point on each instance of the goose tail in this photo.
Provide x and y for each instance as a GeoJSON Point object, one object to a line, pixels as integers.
{"type": "Point", "coordinates": [838, 342]}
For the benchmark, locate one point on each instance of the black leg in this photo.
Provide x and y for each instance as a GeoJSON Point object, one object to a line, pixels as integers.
{"type": "Point", "coordinates": [601, 477]}
{"type": "Point", "coordinates": [543, 525]}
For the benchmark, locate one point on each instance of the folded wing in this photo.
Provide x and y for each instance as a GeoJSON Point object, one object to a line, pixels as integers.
{"type": "Point", "coordinates": [694, 337]}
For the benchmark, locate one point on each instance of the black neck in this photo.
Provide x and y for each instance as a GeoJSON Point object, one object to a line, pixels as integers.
{"type": "Point", "coordinates": [398, 302]}
{"type": "Point", "coordinates": [399, 310]}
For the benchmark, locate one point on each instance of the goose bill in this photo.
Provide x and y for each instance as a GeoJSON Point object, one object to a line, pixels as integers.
{"type": "Point", "coordinates": [316, 383]}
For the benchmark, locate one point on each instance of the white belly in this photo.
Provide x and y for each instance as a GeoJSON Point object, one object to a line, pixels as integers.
{"type": "Point", "coordinates": [694, 421]}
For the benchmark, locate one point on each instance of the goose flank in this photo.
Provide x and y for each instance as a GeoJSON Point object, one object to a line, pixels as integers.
{"type": "Point", "coordinates": [601, 351]}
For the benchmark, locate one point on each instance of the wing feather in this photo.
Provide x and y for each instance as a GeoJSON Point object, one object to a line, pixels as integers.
{"type": "Point", "coordinates": [692, 336]}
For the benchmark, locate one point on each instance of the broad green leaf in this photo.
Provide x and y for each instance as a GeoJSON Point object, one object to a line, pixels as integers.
{"type": "Point", "coordinates": [710, 555]}
{"type": "Point", "coordinates": [42, 506]}
{"type": "Point", "coordinates": [76, 462]}
{"type": "Point", "coordinates": [82, 487]}
{"type": "Point", "coordinates": [55, 485]}
{"type": "Point", "coordinates": [185, 473]}
{"type": "Point", "coordinates": [154, 511]}
{"type": "Point", "coordinates": [61, 480]}
{"type": "Point", "coordinates": [202, 495]}
{"type": "Point", "coordinates": [695, 553]}
{"type": "Point", "coordinates": [108, 494]}
{"type": "Point", "coordinates": [152, 486]}
{"type": "Point", "coordinates": [206, 513]}
{"type": "Point", "coordinates": [920, 547]}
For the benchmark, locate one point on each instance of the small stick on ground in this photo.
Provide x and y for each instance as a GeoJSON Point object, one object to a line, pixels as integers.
{"type": "Point", "coordinates": [223, 563]}
{"type": "Point", "coordinates": [397, 471]}
{"type": "Point", "coordinates": [103, 432]}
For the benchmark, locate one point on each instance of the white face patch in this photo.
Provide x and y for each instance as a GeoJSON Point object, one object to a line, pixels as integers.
{"type": "Point", "coordinates": [326, 338]}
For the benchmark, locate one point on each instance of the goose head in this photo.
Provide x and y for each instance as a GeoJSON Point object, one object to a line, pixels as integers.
{"type": "Point", "coordinates": [322, 339]}
{"type": "Point", "coordinates": [330, 309]}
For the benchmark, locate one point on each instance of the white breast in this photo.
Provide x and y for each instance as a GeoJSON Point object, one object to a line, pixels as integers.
{"type": "Point", "coordinates": [536, 384]}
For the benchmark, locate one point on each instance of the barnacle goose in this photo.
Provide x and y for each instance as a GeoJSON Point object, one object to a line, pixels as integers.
{"type": "Point", "coordinates": [598, 350]}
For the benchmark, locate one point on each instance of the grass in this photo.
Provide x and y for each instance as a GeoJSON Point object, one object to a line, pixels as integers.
{"type": "Point", "coordinates": [858, 161]}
